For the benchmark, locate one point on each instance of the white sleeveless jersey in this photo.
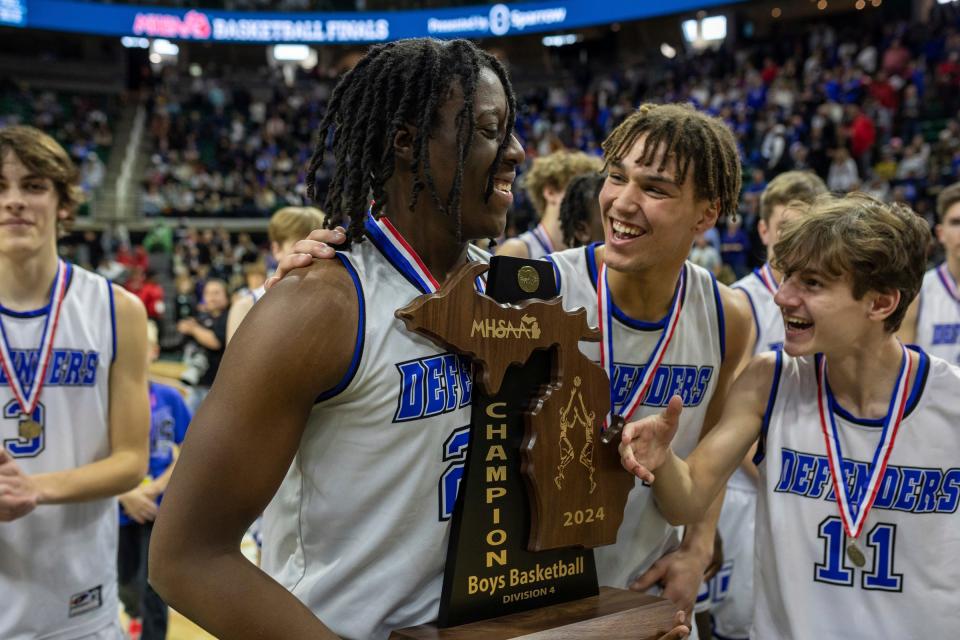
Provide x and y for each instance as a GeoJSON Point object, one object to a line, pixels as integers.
{"type": "Point", "coordinates": [58, 571]}
{"type": "Point", "coordinates": [257, 293]}
{"type": "Point", "coordinates": [807, 587]}
{"type": "Point", "coordinates": [938, 320]}
{"type": "Point", "coordinates": [766, 314]}
{"type": "Point", "coordinates": [690, 367]}
{"type": "Point", "coordinates": [358, 530]}
{"type": "Point", "coordinates": [538, 242]}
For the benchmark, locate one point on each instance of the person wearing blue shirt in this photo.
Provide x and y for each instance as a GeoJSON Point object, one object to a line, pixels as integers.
{"type": "Point", "coordinates": [169, 418]}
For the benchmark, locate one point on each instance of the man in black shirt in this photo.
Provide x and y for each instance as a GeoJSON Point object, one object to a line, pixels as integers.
{"type": "Point", "coordinates": [206, 339]}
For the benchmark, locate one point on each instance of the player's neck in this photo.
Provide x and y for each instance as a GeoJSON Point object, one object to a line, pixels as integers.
{"type": "Point", "coordinates": [776, 273]}
{"type": "Point", "coordinates": [25, 282]}
{"type": "Point", "coordinates": [953, 266]}
{"type": "Point", "coordinates": [862, 377]}
{"type": "Point", "coordinates": [644, 295]}
{"type": "Point", "coordinates": [551, 224]}
{"type": "Point", "coordinates": [436, 244]}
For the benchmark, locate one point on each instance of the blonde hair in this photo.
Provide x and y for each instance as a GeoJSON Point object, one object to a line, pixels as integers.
{"type": "Point", "coordinates": [947, 198]}
{"type": "Point", "coordinates": [44, 156]}
{"type": "Point", "coordinates": [804, 186]}
{"type": "Point", "coordinates": [882, 247]}
{"type": "Point", "coordinates": [556, 170]}
{"type": "Point", "coordinates": [294, 223]}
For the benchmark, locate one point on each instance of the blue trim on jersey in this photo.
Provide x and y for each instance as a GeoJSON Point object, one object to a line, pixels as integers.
{"type": "Point", "coordinates": [916, 390]}
{"type": "Point", "coordinates": [543, 245]}
{"type": "Point", "coordinates": [774, 388]}
{"type": "Point", "coordinates": [36, 313]}
{"type": "Point", "coordinates": [753, 310]}
{"type": "Point", "coordinates": [642, 325]}
{"type": "Point", "coordinates": [113, 320]}
{"type": "Point", "coordinates": [361, 331]}
{"type": "Point", "coordinates": [720, 318]}
{"type": "Point", "coordinates": [556, 271]}
{"type": "Point", "coordinates": [393, 256]}
{"type": "Point", "coordinates": [590, 252]}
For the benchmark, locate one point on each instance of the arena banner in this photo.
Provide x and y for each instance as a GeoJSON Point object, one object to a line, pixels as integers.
{"type": "Point", "coordinates": [484, 21]}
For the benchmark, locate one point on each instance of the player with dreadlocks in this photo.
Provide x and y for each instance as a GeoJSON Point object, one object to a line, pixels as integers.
{"type": "Point", "coordinates": [580, 221]}
{"type": "Point", "coordinates": [353, 542]}
{"type": "Point", "coordinates": [669, 327]}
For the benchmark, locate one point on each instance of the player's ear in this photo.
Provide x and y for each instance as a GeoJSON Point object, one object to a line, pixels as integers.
{"type": "Point", "coordinates": [709, 212]}
{"type": "Point", "coordinates": [884, 303]}
{"type": "Point", "coordinates": [403, 141]}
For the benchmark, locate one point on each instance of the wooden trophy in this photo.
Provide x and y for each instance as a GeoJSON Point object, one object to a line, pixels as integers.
{"type": "Point", "coordinates": [538, 489]}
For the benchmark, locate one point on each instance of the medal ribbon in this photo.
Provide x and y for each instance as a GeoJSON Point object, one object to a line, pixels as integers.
{"type": "Point", "coordinates": [540, 233]}
{"type": "Point", "coordinates": [854, 515]}
{"type": "Point", "coordinates": [404, 257]}
{"type": "Point", "coordinates": [28, 398]}
{"type": "Point", "coordinates": [948, 282]}
{"type": "Point", "coordinates": [766, 276]}
{"type": "Point", "coordinates": [605, 313]}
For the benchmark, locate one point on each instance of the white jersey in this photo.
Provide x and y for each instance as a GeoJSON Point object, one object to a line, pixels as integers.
{"type": "Point", "coordinates": [538, 242]}
{"type": "Point", "coordinates": [58, 564]}
{"type": "Point", "coordinates": [938, 319]}
{"type": "Point", "coordinates": [760, 289]}
{"type": "Point", "coordinates": [257, 293]}
{"type": "Point", "coordinates": [807, 587]}
{"type": "Point", "coordinates": [359, 528]}
{"type": "Point", "coordinates": [690, 367]}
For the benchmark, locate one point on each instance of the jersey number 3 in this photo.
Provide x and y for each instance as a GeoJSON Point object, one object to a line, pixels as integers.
{"type": "Point", "coordinates": [25, 447]}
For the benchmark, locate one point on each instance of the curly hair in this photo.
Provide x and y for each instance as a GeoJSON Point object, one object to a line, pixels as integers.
{"type": "Point", "coordinates": [691, 139]}
{"type": "Point", "coordinates": [556, 170]}
{"type": "Point", "coordinates": [398, 83]}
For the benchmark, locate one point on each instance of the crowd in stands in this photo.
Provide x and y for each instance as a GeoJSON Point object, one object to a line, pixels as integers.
{"type": "Point", "coordinates": [874, 109]}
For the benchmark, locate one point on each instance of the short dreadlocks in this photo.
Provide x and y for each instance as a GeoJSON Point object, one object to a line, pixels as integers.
{"type": "Point", "coordinates": [580, 201]}
{"type": "Point", "coordinates": [402, 82]}
{"type": "Point", "coordinates": [688, 137]}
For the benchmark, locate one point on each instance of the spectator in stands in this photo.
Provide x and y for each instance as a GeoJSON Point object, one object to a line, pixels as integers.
{"type": "Point", "coordinates": [843, 175]}
{"type": "Point", "coordinates": [735, 247]}
{"type": "Point", "coordinates": [206, 339]}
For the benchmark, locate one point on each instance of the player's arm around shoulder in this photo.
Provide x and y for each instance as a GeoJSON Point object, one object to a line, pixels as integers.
{"type": "Point", "coordinates": [295, 344]}
{"type": "Point", "coordinates": [129, 418]}
{"type": "Point", "coordinates": [513, 247]}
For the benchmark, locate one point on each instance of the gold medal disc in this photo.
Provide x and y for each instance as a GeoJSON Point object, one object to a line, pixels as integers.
{"type": "Point", "coordinates": [29, 429]}
{"type": "Point", "coordinates": [856, 556]}
{"type": "Point", "coordinates": [528, 279]}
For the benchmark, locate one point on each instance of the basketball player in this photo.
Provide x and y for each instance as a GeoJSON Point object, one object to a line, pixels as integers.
{"type": "Point", "coordinates": [651, 210]}
{"type": "Point", "coordinates": [933, 320]}
{"type": "Point", "coordinates": [545, 184]}
{"type": "Point", "coordinates": [859, 453]}
{"type": "Point", "coordinates": [74, 416]}
{"type": "Point", "coordinates": [728, 596]}
{"type": "Point", "coordinates": [354, 541]}
{"type": "Point", "coordinates": [287, 225]}
{"type": "Point", "coordinates": [580, 220]}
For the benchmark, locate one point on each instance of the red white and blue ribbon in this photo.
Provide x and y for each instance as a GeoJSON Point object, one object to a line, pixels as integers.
{"type": "Point", "coordinates": [605, 313]}
{"type": "Point", "coordinates": [540, 233]}
{"type": "Point", "coordinates": [854, 514]}
{"type": "Point", "coordinates": [948, 282]}
{"type": "Point", "coordinates": [765, 273]}
{"type": "Point", "coordinates": [404, 257]}
{"type": "Point", "coordinates": [28, 397]}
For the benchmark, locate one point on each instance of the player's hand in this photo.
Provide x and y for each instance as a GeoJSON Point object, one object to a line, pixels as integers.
{"type": "Point", "coordinates": [679, 574]}
{"type": "Point", "coordinates": [18, 493]}
{"type": "Point", "coordinates": [139, 506]}
{"type": "Point", "coordinates": [645, 444]}
{"type": "Point", "coordinates": [680, 630]}
{"type": "Point", "coordinates": [315, 246]}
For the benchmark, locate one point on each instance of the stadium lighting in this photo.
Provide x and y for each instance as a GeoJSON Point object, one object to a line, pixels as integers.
{"type": "Point", "coordinates": [945, 1]}
{"type": "Point", "coordinates": [164, 47]}
{"type": "Point", "coordinates": [713, 28]}
{"type": "Point", "coordinates": [561, 40]}
{"type": "Point", "coordinates": [291, 52]}
{"type": "Point", "coordinates": [704, 31]}
{"type": "Point", "coordinates": [135, 43]}
{"type": "Point", "coordinates": [667, 50]}
{"type": "Point", "coordinates": [155, 58]}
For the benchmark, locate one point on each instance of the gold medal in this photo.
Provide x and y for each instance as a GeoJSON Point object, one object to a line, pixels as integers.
{"type": "Point", "coordinates": [856, 556]}
{"type": "Point", "coordinates": [528, 279]}
{"type": "Point", "coordinates": [29, 428]}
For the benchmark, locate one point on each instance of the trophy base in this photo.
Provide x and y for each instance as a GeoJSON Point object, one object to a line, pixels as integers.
{"type": "Point", "coordinates": [612, 615]}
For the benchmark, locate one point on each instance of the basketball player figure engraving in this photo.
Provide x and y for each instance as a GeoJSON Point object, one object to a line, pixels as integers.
{"type": "Point", "coordinates": [859, 454]}
{"type": "Point", "coordinates": [74, 408]}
